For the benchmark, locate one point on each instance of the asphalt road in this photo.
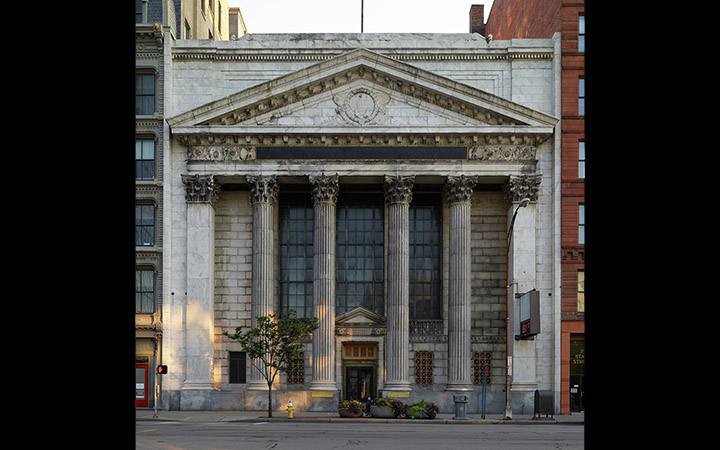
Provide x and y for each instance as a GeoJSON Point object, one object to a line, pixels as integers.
{"type": "Point", "coordinates": [326, 436]}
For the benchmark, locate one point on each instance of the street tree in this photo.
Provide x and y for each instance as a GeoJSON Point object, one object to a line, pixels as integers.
{"type": "Point", "coordinates": [273, 344]}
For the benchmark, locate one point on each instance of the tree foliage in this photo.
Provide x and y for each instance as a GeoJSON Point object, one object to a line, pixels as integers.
{"type": "Point", "coordinates": [274, 344]}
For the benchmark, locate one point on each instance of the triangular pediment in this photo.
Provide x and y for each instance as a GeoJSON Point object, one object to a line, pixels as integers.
{"type": "Point", "coordinates": [360, 316]}
{"type": "Point", "coordinates": [358, 89]}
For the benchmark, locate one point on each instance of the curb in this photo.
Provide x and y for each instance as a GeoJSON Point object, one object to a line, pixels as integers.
{"type": "Point", "coordinates": [542, 421]}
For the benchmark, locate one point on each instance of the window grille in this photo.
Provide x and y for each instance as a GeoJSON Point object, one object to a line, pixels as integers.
{"type": "Point", "coordinates": [479, 359]}
{"type": "Point", "coordinates": [423, 367]}
{"type": "Point", "coordinates": [296, 370]}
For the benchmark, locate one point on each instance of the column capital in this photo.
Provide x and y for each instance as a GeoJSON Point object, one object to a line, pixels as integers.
{"type": "Point", "coordinates": [519, 187]}
{"type": "Point", "coordinates": [263, 189]}
{"type": "Point", "coordinates": [200, 188]}
{"type": "Point", "coordinates": [325, 188]}
{"type": "Point", "coordinates": [398, 189]}
{"type": "Point", "coordinates": [460, 189]}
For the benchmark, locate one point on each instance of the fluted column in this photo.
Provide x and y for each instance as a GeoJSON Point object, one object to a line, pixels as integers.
{"type": "Point", "coordinates": [201, 195]}
{"type": "Point", "coordinates": [398, 195]}
{"type": "Point", "coordinates": [458, 192]}
{"type": "Point", "coordinates": [263, 197]}
{"type": "Point", "coordinates": [324, 195]}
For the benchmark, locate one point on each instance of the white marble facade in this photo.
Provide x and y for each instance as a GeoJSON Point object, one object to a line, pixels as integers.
{"type": "Point", "coordinates": [470, 121]}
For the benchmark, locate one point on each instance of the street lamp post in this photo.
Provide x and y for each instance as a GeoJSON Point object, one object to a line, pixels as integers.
{"type": "Point", "coordinates": [508, 408]}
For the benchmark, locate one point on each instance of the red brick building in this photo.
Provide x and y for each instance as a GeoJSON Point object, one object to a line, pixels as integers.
{"type": "Point", "coordinates": [510, 19]}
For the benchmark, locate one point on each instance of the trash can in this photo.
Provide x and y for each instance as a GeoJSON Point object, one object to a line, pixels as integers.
{"type": "Point", "coordinates": [461, 401]}
{"type": "Point", "coordinates": [544, 404]}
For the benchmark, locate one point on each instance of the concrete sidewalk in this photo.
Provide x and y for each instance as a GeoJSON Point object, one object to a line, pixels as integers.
{"type": "Point", "coordinates": [309, 416]}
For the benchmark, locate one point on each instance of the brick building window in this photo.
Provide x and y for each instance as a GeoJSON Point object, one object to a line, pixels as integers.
{"type": "Point", "coordinates": [144, 159]}
{"type": "Point", "coordinates": [581, 96]}
{"type": "Point", "coordinates": [581, 159]}
{"type": "Point", "coordinates": [144, 93]}
{"type": "Point", "coordinates": [144, 225]}
{"type": "Point", "coordinates": [581, 33]}
{"type": "Point", "coordinates": [581, 224]}
{"type": "Point", "coordinates": [144, 291]}
{"type": "Point", "coordinates": [423, 367]}
{"type": "Point", "coordinates": [581, 291]}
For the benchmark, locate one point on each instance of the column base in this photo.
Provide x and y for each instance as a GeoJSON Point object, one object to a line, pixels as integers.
{"type": "Point", "coordinates": [460, 387]}
{"type": "Point", "coordinates": [323, 386]}
{"type": "Point", "coordinates": [260, 386]}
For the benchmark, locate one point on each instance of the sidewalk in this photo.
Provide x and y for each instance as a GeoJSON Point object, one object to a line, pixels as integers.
{"type": "Point", "coordinates": [308, 416]}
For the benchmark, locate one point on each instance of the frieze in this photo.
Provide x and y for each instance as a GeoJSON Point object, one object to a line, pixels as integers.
{"type": "Point", "coordinates": [217, 153]}
{"type": "Point", "coordinates": [505, 153]}
{"type": "Point", "coordinates": [359, 331]}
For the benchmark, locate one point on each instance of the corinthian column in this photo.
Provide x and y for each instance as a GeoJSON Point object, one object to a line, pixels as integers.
{"type": "Point", "coordinates": [398, 195]}
{"type": "Point", "coordinates": [201, 195]}
{"type": "Point", "coordinates": [263, 197]}
{"type": "Point", "coordinates": [458, 192]}
{"type": "Point", "coordinates": [324, 195]}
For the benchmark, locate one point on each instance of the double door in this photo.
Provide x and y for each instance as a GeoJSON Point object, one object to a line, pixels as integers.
{"type": "Point", "coordinates": [359, 371]}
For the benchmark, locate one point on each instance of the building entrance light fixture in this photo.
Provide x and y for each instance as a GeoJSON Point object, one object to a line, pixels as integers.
{"type": "Point", "coordinates": [508, 407]}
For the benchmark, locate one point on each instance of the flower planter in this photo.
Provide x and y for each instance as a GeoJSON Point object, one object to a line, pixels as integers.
{"type": "Point", "coordinates": [346, 412]}
{"type": "Point", "coordinates": [384, 412]}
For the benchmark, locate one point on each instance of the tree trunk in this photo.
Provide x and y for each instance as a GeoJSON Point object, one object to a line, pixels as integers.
{"type": "Point", "coordinates": [269, 400]}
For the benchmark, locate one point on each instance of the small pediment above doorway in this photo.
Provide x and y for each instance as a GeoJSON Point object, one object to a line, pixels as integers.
{"type": "Point", "coordinates": [360, 317]}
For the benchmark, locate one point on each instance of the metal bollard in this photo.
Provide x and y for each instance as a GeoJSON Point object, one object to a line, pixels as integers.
{"type": "Point", "coordinates": [461, 401]}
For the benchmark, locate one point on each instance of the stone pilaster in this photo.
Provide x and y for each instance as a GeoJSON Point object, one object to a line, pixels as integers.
{"type": "Point", "coordinates": [263, 197]}
{"type": "Point", "coordinates": [324, 195]}
{"type": "Point", "coordinates": [458, 192]}
{"type": "Point", "coordinates": [201, 195]}
{"type": "Point", "coordinates": [398, 195]}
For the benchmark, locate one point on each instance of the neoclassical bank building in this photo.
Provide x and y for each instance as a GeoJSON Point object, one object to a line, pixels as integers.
{"type": "Point", "coordinates": [371, 181]}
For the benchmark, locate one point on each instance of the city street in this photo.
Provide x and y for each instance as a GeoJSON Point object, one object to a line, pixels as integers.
{"type": "Point", "coordinates": [324, 436]}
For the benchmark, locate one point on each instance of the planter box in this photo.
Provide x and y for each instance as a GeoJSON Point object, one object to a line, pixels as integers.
{"type": "Point", "coordinates": [345, 412]}
{"type": "Point", "coordinates": [384, 412]}
{"type": "Point", "coordinates": [419, 415]}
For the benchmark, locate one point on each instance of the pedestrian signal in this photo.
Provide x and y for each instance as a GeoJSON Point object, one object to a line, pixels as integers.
{"type": "Point", "coordinates": [162, 369]}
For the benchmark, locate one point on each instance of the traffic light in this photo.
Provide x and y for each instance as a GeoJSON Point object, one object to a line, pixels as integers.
{"type": "Point", "coordinates": [162, 369]}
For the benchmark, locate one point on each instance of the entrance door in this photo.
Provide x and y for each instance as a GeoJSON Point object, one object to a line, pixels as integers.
{"type": "Point", "coordinates": [359, 382]}
{"type": "Point", "coordinates": [577, 373]}
{"type": "Point", "coordinates": [141, 381]}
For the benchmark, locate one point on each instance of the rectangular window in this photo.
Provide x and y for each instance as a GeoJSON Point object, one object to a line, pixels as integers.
{"type": "Point", "coordinates": [581, 291]}
{"type": "Point", "coordinates": [144, 159]}
{"type": "Point", "coordinates": [144, 291]}
{"type": "Point", "coordinates": [296, 254]}
{"type": "Point", "coordinates": [144, 94]}
{"type": "Point", "coordinates": [581, 224]}
{"type": "Point", "coordinates": [360, 257]}
{"type": "Point", "coordinates": [581, 97]}
{"type": "Point", "coordinates": [581, 33]}
{"type": "Point", "coordinates": [144, 225]}
{"type": "Point", "coordinates": [581, 159]}
{"type": "Point", "coordinates": [237, 367]}
{"type": "Point", "coordinates": [425, 257]}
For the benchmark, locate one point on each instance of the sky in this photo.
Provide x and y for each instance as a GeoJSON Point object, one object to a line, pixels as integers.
{"type": "Point", "coordinates": [343, 16]}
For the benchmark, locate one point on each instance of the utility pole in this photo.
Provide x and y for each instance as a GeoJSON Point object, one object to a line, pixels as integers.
{"type": "Point", "coordinates": [362, 14]}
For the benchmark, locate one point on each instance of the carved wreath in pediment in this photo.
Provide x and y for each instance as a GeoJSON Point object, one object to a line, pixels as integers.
{"type": "Point", "coordinates": [361, 106]}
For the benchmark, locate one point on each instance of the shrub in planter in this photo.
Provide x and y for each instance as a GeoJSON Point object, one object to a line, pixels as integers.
{"type": "Point", "coordinates": [421, 410]}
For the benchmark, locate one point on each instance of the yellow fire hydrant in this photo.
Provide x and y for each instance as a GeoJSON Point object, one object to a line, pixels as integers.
{"type": "Point", "coordinates": [290, 410]}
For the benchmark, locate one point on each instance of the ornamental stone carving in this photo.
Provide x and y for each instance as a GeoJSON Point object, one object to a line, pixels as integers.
{"type": "Point", "coordinates": [398, 189]}
{"type": "Point", "coordinates": [263, 189]}
{"type": "Point", "coordinates": [216, 153]}
{"type": "Point", "coordinates": [502, 152]}
{"type": "Point", "coordinates": [325, 188]}
{"type": "Point", "coordinates": [361, 106]}
{"type": "Point", "coordinates": [519, 187]}
{"type": "Point", "coordinates": [460, 189]}
{"type": "Point", "coordinates": [200, 188]}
